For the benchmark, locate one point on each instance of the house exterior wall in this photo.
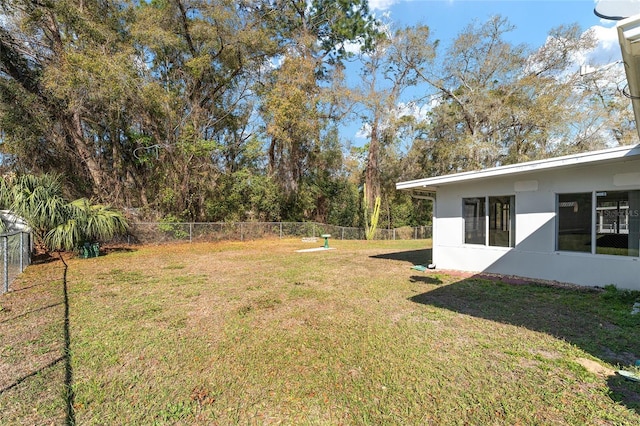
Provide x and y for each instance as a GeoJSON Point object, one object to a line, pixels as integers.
{"type": "Point", "coordinates": [534, 254]}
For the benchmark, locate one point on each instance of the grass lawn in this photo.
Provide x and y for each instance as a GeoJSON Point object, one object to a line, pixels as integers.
{"type": "Point", "coordinates": [256, 333]}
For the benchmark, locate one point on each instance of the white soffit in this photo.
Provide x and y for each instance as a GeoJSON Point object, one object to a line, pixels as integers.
{"type": "Point", "coordinates": [620, 153]}
{"type": "Point", "coordinates": [629, 39]}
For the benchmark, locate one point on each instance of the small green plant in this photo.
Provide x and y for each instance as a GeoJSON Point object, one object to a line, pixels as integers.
{"type": "Point", "coordinates": [370, 217]}
{"type": "Point", "coordinates": [170, 225]}
{"type": "Point", "coordinates": [613, 293]}
{"type": "Point", "coordinates": [610, 291]}
{"type": "Point", "coordinates": [175, 411]}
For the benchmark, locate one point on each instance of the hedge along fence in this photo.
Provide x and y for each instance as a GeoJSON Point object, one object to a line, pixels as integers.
{"type": "Point", "coordinates": [165, 232]}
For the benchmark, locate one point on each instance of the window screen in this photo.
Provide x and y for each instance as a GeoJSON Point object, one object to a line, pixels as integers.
{"type": "Point", "coordinates": [574, 222]}
{"type": "Point", "coordinates": [617, 222]}
{"type": "Point", "coordinates": [474, 215]}
{"type": "Point", "coordinates": [502, 221]}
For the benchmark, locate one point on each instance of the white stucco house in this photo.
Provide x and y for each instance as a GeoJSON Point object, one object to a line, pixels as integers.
{"type": "Point", "coordinates": [573, 219]}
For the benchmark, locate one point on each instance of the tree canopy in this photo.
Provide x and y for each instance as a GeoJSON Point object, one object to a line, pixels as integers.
{"type": "Point", "coordinates": [215, 110]}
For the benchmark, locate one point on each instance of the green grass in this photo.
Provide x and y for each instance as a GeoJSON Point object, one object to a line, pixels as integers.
{"type": "Point", "coordinates": [255, 333]}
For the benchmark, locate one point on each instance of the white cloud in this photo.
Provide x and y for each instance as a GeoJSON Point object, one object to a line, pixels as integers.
{"type": "Point", "coordinates": [382, 4]}
{"type": "Point", "coordinates": [364, 132]}
{"type": "Point", "coordinates": [412, 109]}
{"type": "Point", "coordinates": [402, 109]}
{"type": "Point", "coordinates": [607, 49]}
{"type": "Point", "coordinates": [603, 55]}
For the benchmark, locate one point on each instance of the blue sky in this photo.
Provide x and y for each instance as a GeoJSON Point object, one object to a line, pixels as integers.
{"type": "Point", "coordinates": [532, 20]}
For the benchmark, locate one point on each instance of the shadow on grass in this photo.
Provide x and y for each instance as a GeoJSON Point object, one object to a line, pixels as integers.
{"type": "Point", "coordinates": [425, 279]}
{"type": "Point", "coordinates": [116, 249]}
{"type": "Point", "coordinates": [597, 321]}
{"type": "Point", "coordinates": [415, 257]}
{"type": "Point", "coordinates": [42, 257]}
{"type": "Point", "coordinates": [14, 288]}
{"type": "Point", "coordinates": [68, 393]}
{"type": "Point", "coordinates": [32, 374]}
{"type": "Point", "coordinates": [43, 308]}
{"type": "Point", "coordinates": [69, 396]}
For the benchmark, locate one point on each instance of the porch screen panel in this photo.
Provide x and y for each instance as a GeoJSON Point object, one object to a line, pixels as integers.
{"type": "Point", "coordinates": [617, 222]}
{"type": "Point", "coordinates": [574, 222]}
{"type": "Point", "coordinates": [502, 221]}
{"type": "Point", "coordinates": [474, 216]}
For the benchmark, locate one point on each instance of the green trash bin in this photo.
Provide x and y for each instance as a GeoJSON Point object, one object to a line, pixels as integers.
{"type": "Point", "coordinates": [88, 250]}
{"type": "Point", "coordinates": [83, 251]}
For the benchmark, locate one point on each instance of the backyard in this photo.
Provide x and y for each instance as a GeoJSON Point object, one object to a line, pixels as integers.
{"type": "Point", "coordinates": [257, 333]}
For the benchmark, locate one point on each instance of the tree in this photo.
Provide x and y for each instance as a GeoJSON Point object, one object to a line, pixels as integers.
{"type": "Point", "coordinates": [495, 103]}
{"type": "Point", "coordinates": [303, 97]}
{"type": "Point", "coordinates": [65, 64]}
{"type": "Point", "coordinates": [130, 100]}
{"type": "Point", "coordinates": [202, 59]}
{"type": "Point", "coordinates": [292, 122]}
{"type": "Point", "coordinates": [388, 71]}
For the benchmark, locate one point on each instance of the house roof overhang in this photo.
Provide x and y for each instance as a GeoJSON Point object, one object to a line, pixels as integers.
{"type": "Point", "coordinates": [429, 186]}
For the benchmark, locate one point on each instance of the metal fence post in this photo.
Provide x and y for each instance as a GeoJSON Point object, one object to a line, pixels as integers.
{"type": "Point", "coordinates": [280, 230]}
{"type": "Point", "coordinates": [190, 232]}
{"type": "Point", "coordinates": [21, 252]}
{"type": "Point", "coordinates": [5, 249]}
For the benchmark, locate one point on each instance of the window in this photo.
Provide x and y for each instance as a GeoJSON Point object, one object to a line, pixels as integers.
{"type": "Point", "coordinates": [474, 220]}
{"type": "Point", "coordinates": [617, 222]}
{"type": "Point", "coordinates": [574, 222]}
{"type": "Point", "coordinates": [500, 217]}
{"type": "Point", "coordinates": [614, 221]}
{"type": "Point", "coordinates": [502, 221]}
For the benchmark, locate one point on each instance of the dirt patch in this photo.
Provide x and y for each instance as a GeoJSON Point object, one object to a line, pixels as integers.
{"type": "Point", "coordinates": [595, 367]}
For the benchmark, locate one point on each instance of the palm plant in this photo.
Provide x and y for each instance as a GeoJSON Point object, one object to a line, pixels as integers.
{"type": "Point", "coordinates": [36, 199]}
{"type": "Point", "coordinates": [57, 224]}
{"type": "Point", "coordinates": [85, 222]}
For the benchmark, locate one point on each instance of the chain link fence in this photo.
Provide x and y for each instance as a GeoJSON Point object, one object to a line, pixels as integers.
{"type": "Point", "coordinates": [161, 232]}
{"type": "Point", "coordinates": [15, 248]}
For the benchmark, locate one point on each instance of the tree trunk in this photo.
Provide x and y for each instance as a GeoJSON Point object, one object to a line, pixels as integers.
{"type": "Point", "coordinates": [372, 172]}
{"type": "Point", "coordinates": [73, 125]}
